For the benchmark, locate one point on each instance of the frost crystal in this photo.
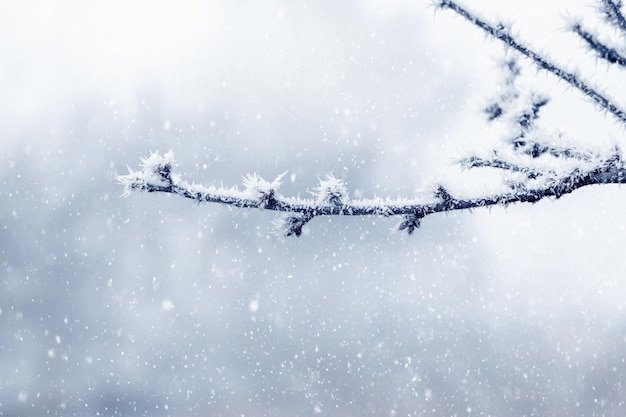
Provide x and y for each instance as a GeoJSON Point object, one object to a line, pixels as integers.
{"type": "Point", "coordinates": [259, 189]}
{"type": "Point", "coordinates": [331, 191]}
{"type": "Point", "coordinates": [158, 167]}
{"type": "Point", "coordinates": [155, 169]}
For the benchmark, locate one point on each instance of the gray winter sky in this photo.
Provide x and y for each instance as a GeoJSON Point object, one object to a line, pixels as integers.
{"type": "Point", "coordinates": [150, 305]}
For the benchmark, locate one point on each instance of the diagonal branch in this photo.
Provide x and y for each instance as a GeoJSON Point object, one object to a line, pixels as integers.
{"type": "Point", "coordinates": [501, 33]}
{"type": "Point", "coordinates": [613, 14]}
{"type": "Point", "coordinates": [605, 52]}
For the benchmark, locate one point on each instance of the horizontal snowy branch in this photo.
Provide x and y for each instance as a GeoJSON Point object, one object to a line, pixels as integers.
{"type": "Point", "coordinates": [156, 175]}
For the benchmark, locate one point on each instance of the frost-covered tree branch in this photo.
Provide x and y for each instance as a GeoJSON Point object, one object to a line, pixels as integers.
{"type": "Point", "coordinates": [502, 33]}
{"type": "Point", "coordinates": [535, 163]}
{"type": "Point", "coordinates": [527, 184]}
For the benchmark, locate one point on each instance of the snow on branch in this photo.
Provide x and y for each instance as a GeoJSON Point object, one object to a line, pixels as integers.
{"type": "Point", "coordinates": [501, 32]}
{"type": "Point", "coordinates": [156, 170]}
{"type": "Point", "coordinates": [156, 174]}
{"type": "Point", "coordinates": [535, 164]}
{"type": "Point", "coordinates": [331, 191]}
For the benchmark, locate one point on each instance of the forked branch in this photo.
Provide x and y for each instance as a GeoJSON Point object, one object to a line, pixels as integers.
{"type": "Point", "coordinates": [536, 165]}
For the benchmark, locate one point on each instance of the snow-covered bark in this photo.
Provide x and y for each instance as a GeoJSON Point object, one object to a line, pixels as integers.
{"type": "Point", "coordinates": [528, 183]}
{"type": "Point", "coordinates": [537, 163]}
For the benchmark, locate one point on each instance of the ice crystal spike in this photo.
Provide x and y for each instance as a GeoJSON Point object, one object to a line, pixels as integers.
{"type": "Point", "coordinates": [261, 190]}
{"type": "Point", "coordinates": [155, 169]}
{"type": "Point", "coordinates": [331, 191]}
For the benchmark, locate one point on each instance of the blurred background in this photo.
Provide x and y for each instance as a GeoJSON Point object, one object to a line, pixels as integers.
{"type": "Point", "coordinates": [152, 305]}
